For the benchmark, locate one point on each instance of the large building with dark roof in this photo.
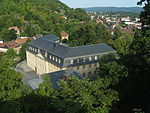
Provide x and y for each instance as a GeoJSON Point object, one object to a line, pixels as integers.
{"type": "Point", "coordinates": [47, 54]}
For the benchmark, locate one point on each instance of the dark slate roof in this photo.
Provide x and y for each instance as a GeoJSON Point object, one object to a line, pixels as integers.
{"type": "Point", "coordinates": [50, 38]}
{"type": "Point", "coordinates": [45, 43]}
{"type": "Point", "coordinates": [88, 50]}
{"type": "Point", "coordinates": [55, 77]}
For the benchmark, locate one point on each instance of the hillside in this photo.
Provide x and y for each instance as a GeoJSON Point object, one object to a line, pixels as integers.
{"type": "Point", "coordinates": [37, 16]}
{"type": "Point", "coordinates": [114, 9]}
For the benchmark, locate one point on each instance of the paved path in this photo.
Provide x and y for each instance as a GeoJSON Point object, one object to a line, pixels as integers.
{"type": "Point", "coordinates": [27, 73]}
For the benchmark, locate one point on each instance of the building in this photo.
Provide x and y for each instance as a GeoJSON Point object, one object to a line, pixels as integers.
{"type": "Point", "coordinates": [16, 29]}
{"type": "Point", "coordinates": [54, 77]}
{"type": "Point", "coordinates": [5, 46]}
{"type": "Point", "coordinates": [47, 55]}
{"type": "Point", "coordinates": [64, 35]}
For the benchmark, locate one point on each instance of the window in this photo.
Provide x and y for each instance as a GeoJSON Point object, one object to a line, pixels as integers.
{"type": "Point", "coordinates": [95, 57]}
{"type": "Point", "coordinates": [84, 74]}
{"type": "Point", "coordinates": [78, 60]}
{"type": "Point", "coordinates": [38, 50]}
{"type": "Point", "coordinates": [50, 56]}
{"type": "Point", "coordinates": [53, 58]}
{"type": "Point", "coordinates": [45, 54]}
{"type": "Point", "coordinates": [59, 61]}
{"type": "Point", "coordinates": [71, 61]}
{"type": "Point", "coordinates": [90, 58]}
{"type": "Point", "coordinates": [35, 50]}
{"type": "Point", "coordinates": [84, 59]}
{"type": "Point", "coordinates": [78, 67]}
{"type": "Point", "coordinates": [56, 60]}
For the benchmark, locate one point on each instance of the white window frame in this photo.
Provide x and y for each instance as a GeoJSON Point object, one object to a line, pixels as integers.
{"type": "Point", "coordinates": [90, 58]}
{"type": "Point", "coordinates": [84, 59]}
{"type": "Point", "coordinates": [59, 61]}
{"type": "Point", "coordinates": [71, 61]}
{"type": "Point", "coordinates": [95, 57]}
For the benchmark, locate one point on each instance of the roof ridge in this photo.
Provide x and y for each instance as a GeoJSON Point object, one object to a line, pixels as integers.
{"type": "Point", "coordinates": [89, 45]}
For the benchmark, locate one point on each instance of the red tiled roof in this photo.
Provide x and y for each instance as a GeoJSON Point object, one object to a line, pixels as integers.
{"type": "Point", "coordinates": [64, 34]}
{"type": "Point", "coordinates": [9, 45]}
{"type": "Point", "coordinates": [15, 27]}
{"type": "Point", "coordinates": [21, 41]}
{"type": "Point", "coordinates": [82, 22]}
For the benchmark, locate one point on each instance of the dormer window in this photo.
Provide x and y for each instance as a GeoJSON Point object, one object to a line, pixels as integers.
{"type": "Point", "coordinates": [95, 57]}
{"type": "Point", "coordinates": [90, 58]}
{"type": "Point", "coordinates": [50, 56]}
{"type": "Point", "coordinates": [38, 50]}
{"type": "Point", "coordinates": [59, 61]}
{"type": "Point", "coordinates": [78, 60]}
{"type": "Point", "coordinates": [35, 50]}
{"type": "Point", "coordinates": [84, 59]}
{"type": "Point", "coordinates": [45, 54]}
{"type": "Point", "coordinates": [56, 59]}
{"type": "Point", "coordinates": [53, 58]}
{"type": "Point", "coordinates": [29, 47]}
{"type": "Point", "coordinates": [71, 61]}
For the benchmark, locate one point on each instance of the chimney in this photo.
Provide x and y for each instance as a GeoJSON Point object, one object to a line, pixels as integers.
{"type": "Point", "coordinates": [56, 44]}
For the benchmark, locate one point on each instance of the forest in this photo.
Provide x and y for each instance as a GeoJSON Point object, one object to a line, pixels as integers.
{"type": "Point", "coordinates": [121, 86]}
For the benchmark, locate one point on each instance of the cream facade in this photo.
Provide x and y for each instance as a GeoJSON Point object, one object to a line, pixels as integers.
{"type": "Point", "coordinates": [47, 55]}
{"type": "Point", "coordinates": [41, 66]}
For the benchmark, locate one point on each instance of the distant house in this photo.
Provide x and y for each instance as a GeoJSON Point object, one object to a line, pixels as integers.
{"type": "Point", "coordinates": [98, 20]}
{"type": "Point", "coordinates": [64, 35]}
{"type": "Point", "coordinates": [21, 41]}
{"type": "Point", "coordinates": [5, 46]}
{"type": "Point", "coordinates": [82, 22]}
{"type": "Point", "coordinates": [16, 29]}
{"type": "Point", "coordinates": [64, 17]}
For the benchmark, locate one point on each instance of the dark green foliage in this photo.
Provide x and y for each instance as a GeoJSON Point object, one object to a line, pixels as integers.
{"type": "Point", "coordinates": [113, 72]}
{"type": "Point", "coordinates": [7, 35]}
{"type": "Point", "coordinates": [11, 53]}
{"type": "Point", "coordinates": [122, 44]}
{"type": "Point", "coordinates": [35, 17]}
{"type": "Point", "coordinates": [89, 33]}
{"type": "Point", "coordinates": [22, 52]}
{"type": "Point", "coordinates": [145, 17]}
{"type": "Point", "coordinates": [117, 33]}
{"type": "Point", "coordinates": [10, 82]}
{"type": "Point", "coordinates": [108, 58]}
{"type": "Point", "coordinates": [86, 97]}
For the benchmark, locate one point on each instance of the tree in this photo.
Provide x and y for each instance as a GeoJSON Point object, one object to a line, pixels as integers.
{"type": "Point", "coordinates": [113, 72]}
{"type": "Point", "coordinates": [11, 53]}
{"type": "Point", "coordinates": [108, 58]}
{"type": "Point", "coordinates": [10, 82]}
{"type": "Point", "coordinates": [22, 52]}
{"type": "Point", "coordinates": [31, 29]}
{"type": "Point", "coordinates": [117, 33]}
{"type": "Point", "coordinates": [85, 96]}
{"type": "Point", "coordinates": [8, 35]}
{"type": "Point", "coordinates": [122, 44]}
{"type": "Point", "coordinates": [145, 16]}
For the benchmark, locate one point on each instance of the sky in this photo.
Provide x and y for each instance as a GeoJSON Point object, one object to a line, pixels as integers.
{"type": "Point", "coordinates": [100, 3]}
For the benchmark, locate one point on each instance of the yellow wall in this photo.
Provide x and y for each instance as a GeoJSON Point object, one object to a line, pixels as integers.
{"type": "Point", "coordinates": [41, 66]}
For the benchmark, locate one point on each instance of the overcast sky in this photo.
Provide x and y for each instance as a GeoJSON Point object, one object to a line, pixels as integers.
{"type": "Point", "coordinates": [99, 3]}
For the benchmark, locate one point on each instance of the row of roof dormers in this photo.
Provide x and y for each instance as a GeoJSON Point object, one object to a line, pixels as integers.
{"type": "Point", "coordinates": [63, 55]}
{"type": "Point", "coordinates": [64, 62]}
